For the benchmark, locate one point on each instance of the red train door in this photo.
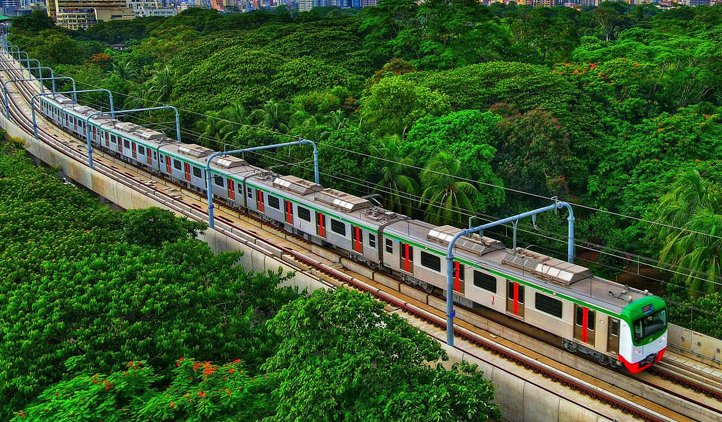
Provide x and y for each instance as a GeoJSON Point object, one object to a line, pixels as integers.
{"type": "Point", "coordinates": [407, 257]}
{"type": "Point", "coordinates": [107, 139]}
{"type": "Point", "coordinates": [515, 298]}
{"type": "Point", "coordinates": [132, 147]}
{"type": "Point", "coordinates": [357, 239]}
{"type": "Point", "coordinates": [289, 212]}
{"type": "Point", "coordinates": [187, 168]}
{"type": "Point", "coordinates": [458, 277]}
{"type": "Point", "coordinates": [149, 156]}
{"type": "Point", "coordinates": [320, 224]}
{"type": "Point", "coordinates": [120, 144]}
{"type": "Point", "coordinates": [584, 324]}
{"type": "Point", "coordinates": [231, 191]}
{"type": "Point", "coordinates": [168, 167]}
{"type": "Point", "coordinates": [259, 200]}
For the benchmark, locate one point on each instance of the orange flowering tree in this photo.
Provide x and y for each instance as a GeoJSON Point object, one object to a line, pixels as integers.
{"type": "Point", "coordinates": [197, 391]}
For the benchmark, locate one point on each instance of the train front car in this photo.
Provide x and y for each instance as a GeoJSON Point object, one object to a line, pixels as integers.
{"type": "Point", "coordinates": [643, 333]}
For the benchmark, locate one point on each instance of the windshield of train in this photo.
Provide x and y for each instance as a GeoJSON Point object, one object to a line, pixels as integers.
{"type": "Point", "coordinates": [650, 324]}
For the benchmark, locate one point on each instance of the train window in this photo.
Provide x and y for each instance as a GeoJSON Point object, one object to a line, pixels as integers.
{"type": "Point", "coordinates": [338, 227]}
{"type": "Point", "coordinates": [274, 202]}
{"type": "Point", "coordinates": [510, 292]}
{"type": "Point", "coordinates": [177, 164]}
{"type": "Point", "coordinates": [614, 326]}
{"type": "Point", "coordinates": [218, 180]}
{"type": "Point", "coordinates": [155, 155]}
{"type": "Point", "coordinates": [304, 214]}
{"type": "Point", "coordinates": [249, 192]}
{"type": "Point", "coordinates": [430, 261]}
{"type": "Point", "coordinates": [580, 318]}
{"type": "Point", "coordinates": [239, 187]}
{"type": "Point", "coordinates": [197, 172]}
{"type": "Point", "coordinates": [548, 305]}
{"type": "Point", "coordinates": [485, 281]}
{"type": "Point", "coordinates": [372, 240]}
{"type": "Point", "coordinates": [126, 143]}
{"type": "Point", "coordinates": [389, 246]}
{"type": "Point", "coordinates": [141, 150]}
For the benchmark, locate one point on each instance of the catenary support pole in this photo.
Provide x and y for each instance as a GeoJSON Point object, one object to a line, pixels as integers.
{"type": "Point", "coordinates": [479, 229]}
{"type": "Point", "coordinates": [32, 103]}
{"type": "Point", "coordinates": [7, 97]}
{"type": "Point", "coordinates": [209, 176]}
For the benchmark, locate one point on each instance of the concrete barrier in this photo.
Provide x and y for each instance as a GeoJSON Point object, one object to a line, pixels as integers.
{"type": "Point", "coordinates": [695, 346]}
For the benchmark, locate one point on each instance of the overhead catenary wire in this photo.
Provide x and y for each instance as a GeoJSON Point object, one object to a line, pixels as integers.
{"type": "Point", "coordinates": [365, 185]}
{"type": "Point", "coordinates": [276, 133]}
{"type": "Point", "coordinates": [418, 199]}
{"type": "Point", "coordinates": [375, 157]}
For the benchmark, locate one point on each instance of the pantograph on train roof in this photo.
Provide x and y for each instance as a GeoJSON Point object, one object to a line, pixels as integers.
{"type": "Point", "coordinates": [380, 215]}
{"type": "Point", "coordinates": [471, 244]}
{"type": "Point", "coordinates": [296, 185]}
{"type": "Point", "coordinates": [546, 267]}
{"type": "Point", "coordinates": [341, 200]}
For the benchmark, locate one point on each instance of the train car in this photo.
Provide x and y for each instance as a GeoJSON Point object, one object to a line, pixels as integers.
{"type": "Point", "coordinates": [229, 177]}
{"type": "Point", "coordinates": [185, 163]}
{"type": "Point", "coordinates": [612, 323]}
{"type": "Point", "coordinates": [322, 215]}
{"type": "Point", "coordinates": [128, 141]}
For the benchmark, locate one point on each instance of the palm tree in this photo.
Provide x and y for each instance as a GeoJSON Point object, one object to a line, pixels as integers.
{"type": "Point", "coordinates": [445, 196]}
{"type": "Point", "coordinates": [271, 116]}
{"type": "Point", "coordinates": [396, 184]}
{"type": "Point", "coordinates": [211, 129]}
{"type": "Point", "coordinates": [695, 206]}
{"type": "Point", "coordinates": [161, 84]}
{"type": "Point", "coordinates": [125, 69]}
{"type": "Point", "coordinates": [234, 118]}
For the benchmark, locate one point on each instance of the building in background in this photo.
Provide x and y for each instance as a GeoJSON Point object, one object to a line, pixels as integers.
{"type": "Point", "coordinates": [142, 8]}
{"type": "Point", "coordinates": [81, 14]}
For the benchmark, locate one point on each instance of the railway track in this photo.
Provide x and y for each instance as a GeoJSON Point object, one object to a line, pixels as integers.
{"type": "Point", "coordinates": [604, 391]}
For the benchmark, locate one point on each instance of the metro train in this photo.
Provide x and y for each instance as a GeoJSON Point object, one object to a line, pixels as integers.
{"type": "Point", "coordinates": [614, 324]}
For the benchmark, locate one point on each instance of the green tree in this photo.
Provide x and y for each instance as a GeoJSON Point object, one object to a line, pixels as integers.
{"type": "Point", "coordinates": [393, 105]}
{"type": "Point", "coordinates": [689, 226]}
{"type": "Point", "coordinates": [456, 33]}
{"type": "Point", "coordinates": [445, 198]}
{"type": "Point", "coordinates": [197, 391]}
{"type": "Point", "coordinates": [343, 357]}
{"type": "Point", "coordinates": [154, 226]}
{"type": "Point", "coordinates": [273, 115]}
{"type": "Point", "coordinates": [533, 152]}
{"type": "Point", "coordinates": [467, 135]}
{"type": "Point", "coordinates": [398, 184]}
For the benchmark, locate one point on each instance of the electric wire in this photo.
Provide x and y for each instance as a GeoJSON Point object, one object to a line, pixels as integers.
{"type": "Point", "coordinates": [198, 135]}
{"type": "Point", "coordinates": [548, 236]}
{"type": "Point", "coordinates": [365, 185]}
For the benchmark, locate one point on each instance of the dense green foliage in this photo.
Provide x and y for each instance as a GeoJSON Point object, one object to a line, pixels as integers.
{"type": "Point", "coordinates": [361, 363]}
{"type": "Point", "coordinates": [604, 107]}
{"type": "Point", "coordinates": [125, 316]}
